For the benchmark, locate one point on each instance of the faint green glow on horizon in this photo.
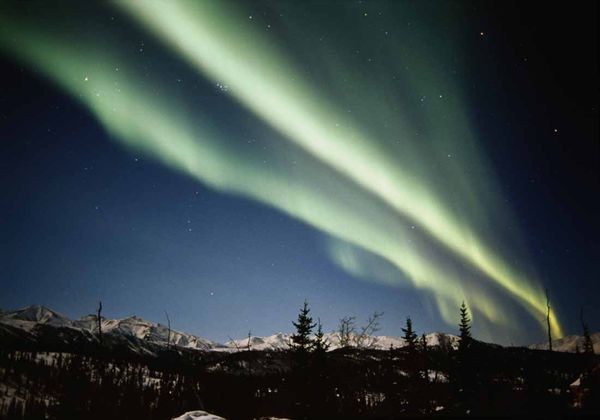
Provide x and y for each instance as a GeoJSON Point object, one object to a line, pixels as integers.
{"type": "Point", "coordinates": [261, 78]}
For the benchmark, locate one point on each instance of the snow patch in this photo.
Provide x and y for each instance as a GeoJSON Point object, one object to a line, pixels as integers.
{"type": "Point", "coordinates": [198, 415]}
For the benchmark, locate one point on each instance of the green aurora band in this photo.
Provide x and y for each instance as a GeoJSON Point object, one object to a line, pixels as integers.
{"type": "Point", "coordinates": [376, 201]}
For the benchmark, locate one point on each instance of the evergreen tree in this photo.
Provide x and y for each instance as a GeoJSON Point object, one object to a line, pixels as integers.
{"type": "Point", "coordinates": [99, 320]}
{"type": "Point", "coordinates": [320, 342]}
{"type": "Point", "coordinates": [468, 368]}
{"type": "Point", "coordinates": [302, 375]}
{"type": "Point", "coordinates": [465, 328]}
{"type": "Point", "coordinates": [588, 345]}
{"type": "Point", "coordinates": [410, 337]}
{"type": "Point", "coordinates": [424, 356]}
{"type": "Point", "coordinates": [423, 343]}
{"type": "Point", "coordinates": [301, 340]}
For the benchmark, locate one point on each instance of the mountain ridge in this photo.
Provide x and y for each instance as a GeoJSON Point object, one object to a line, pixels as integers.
{"type": "Point", "coordinates": [31, 323]}
{"type": "Point", "coordinates": [569, 344]}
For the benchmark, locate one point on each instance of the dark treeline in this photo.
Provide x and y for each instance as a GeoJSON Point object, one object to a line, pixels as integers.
{"type": "Point", "coordinates": [306, 381]}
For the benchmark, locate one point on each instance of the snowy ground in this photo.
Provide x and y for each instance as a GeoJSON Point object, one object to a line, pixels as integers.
{"type": "Point", "coordinates": [198, 415]}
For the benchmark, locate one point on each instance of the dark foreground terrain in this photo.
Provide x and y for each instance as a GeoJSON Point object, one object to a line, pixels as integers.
{"type": "Point", "coordinates": [108, 382]}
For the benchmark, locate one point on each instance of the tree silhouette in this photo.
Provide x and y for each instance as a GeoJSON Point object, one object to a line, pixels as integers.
{"type": "Point", "coordinates": [301, 340]}
{"type": "Point", "coordinates": [424, 350]}
{"type": "Point", "coordinates": [99, 320]}
{"type": "Point", "coordinates": [302, 345]}
{"type": "Point", "coordinates": [468, 363]}
{"type": "Point", "coordinates": [548, 321]}
{"type": "Point", "coordinates": [346, 329]}
{"type": "Point", "coordinates": [588, 345]}
{"type": "Point", "coordinates": [321, 345]}
{"type": "Point", "coordinates": [465, 328]}
{"type": "Point", "coordinates": [366, 339]}
{"type": "Point", "coordinates": [423, 343]}
{"type": "Point", "coordinates": [169, 330]}
{"type": "Point", "coordinates": [410, 337]}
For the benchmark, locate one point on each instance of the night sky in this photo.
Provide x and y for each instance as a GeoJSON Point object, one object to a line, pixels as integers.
{"type": "Point", "coordinates": [224, 161]}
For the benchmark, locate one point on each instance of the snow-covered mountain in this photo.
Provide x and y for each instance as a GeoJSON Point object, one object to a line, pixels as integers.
{"type": "Point", "coordinates": [38, 324]}
{"type": "Point", "coordinates": [145, 330]}
{"type": "Point", "coordinates": [279, 341]}
{"type": "Point", "coordinates": [35, 322]}
{"type": "Point", "coordinates": [27, 318]}
{"type": "Point", "coordinates": [569, 344]}
{"type": "Point", "coordinates": [381, 342]}
{"type": "Point", "coordinates": [198, 415]}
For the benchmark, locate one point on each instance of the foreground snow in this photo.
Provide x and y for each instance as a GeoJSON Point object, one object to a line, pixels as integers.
{"type": "Point", "coordinates": [198, 415]}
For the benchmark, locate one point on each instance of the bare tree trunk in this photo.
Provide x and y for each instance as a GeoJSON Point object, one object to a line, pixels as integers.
{"type": "Point", "coordinates": [235, 344]}
{"type": "Point", "coordinates": [99, 319]}
{"type": "Point", "coordinates": [365, 339]}
{"type": "Point", "coordinates": [169, 333]}
{"type": "Point", "coordinates": [548, 321]}
{"type": "Point", "coordinates": [249, 357]}
{"type": "Point", "coordinates": [346, 330]}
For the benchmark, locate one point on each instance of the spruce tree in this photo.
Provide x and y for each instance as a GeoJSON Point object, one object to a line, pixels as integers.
{"type": "Point", "coordinates": [588, 345]}
{"type": "Point", "coordinates": [423, 343]}
{"type": "Point", "coordinates": [410, 337]}
{"type": "Point", "coordinates": [301, 340]}
{"type": "Point", "coordinates": [99, 320]}
{"type": "Point", "coordinates": [320, 342]}
{"type": "Point", "coordinates": [424, 356]}
{"type": "Point", "coordinates": [468, 370]}
{"type": "Point", "coordinates": [464, 327]}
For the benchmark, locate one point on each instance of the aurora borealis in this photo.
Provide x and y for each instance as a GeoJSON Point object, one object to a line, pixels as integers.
{"type": "Point", "coordinates": [350, 119]}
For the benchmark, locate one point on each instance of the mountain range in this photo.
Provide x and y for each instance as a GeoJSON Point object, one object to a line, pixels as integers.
{"type": "Point", "coordinates": [570, 344]}
{"type": "Point", "coordinates": [38, 325]}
